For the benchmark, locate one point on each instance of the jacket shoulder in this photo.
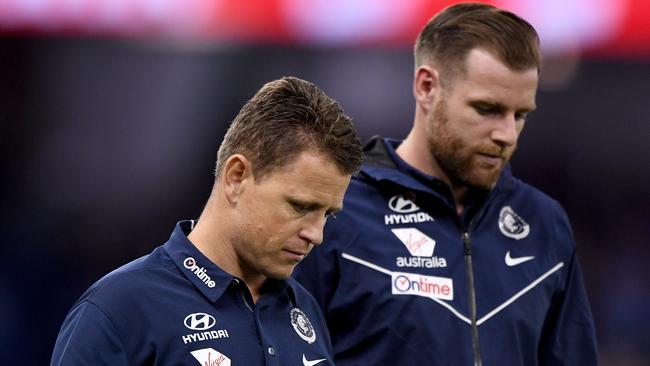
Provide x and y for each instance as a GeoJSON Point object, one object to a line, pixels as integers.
{"type": "Point", "coordinates": [533, 196]}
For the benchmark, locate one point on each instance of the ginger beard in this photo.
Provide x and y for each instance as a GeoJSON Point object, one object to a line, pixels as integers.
{"type": "Point", "coordinates": [458, 158]}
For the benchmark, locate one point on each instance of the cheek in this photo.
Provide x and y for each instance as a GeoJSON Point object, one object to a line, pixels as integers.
{"type": "Point", "coordinates": [460, 139]}
{"type": "Point", "coordinates": [275, 227]}
{"type": "Point", "coordinates": [259, 210]}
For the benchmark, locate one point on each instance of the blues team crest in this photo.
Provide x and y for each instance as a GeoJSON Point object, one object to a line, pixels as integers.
{"type": "Point", "coordinates": [512, 225]}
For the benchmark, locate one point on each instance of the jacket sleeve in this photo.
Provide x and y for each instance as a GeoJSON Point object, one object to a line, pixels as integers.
{"type": "Point", "coordinates": [88, 337]}
{"type": "Point", "coordinates": [569, 334]}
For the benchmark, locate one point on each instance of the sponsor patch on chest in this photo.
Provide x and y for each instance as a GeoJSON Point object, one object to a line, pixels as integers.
{"type": "Point", "coordinates": [420, 285]}
{"type": "Point", "coordinates": [202, 324]}
{"type": "Point", "coordinates": [211, 357]}
{"type": "Point", "coordinates": [421, 248]}
{"type": "Point", "coordinates": [407, 212]}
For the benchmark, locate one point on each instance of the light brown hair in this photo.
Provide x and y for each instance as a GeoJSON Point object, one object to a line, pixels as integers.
{"type": "Point", "coordinates": [449, 36]}
{"type": "Point", "coordinates": [286, 117]}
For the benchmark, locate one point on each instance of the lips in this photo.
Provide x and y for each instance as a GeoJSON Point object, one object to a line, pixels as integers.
{"type": "Point", "coordinates": [490, 159]}
{"type": "Point", "coordinates": [295, 254]}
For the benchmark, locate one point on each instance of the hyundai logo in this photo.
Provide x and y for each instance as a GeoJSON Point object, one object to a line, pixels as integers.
{"type": "Point", "coordinates": [199, 321]}
{"type": "Point", "coordinates": [402, 205]}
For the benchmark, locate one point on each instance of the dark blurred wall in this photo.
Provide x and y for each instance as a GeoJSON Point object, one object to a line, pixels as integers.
{"type": "Point", "coordinates": [105, 144]}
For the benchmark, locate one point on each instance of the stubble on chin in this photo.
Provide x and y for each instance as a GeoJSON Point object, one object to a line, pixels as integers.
{"type": "Point", "coordinates": [482, 177]}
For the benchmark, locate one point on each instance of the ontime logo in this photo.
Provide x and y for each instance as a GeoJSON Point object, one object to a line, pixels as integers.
{"type": "Point", "coordinates": [420, 285]}
{"type": "Point", "coordinates": [200, 272]}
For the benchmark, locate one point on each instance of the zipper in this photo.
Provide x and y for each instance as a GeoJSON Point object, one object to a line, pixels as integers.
{"type": "Point", "coordinates": [469, 269]}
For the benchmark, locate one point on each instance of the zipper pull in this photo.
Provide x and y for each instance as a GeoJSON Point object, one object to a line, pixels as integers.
{"type": "Point", "coordinates": [467, 244]}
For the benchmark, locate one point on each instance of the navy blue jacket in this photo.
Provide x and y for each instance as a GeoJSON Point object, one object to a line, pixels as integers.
{"type": "Point", "coordinates": [176, 307]}
{"type": "Point", "coordinates": [394, 274]}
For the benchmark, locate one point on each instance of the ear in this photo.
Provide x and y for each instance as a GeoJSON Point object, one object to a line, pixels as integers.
{"type": "Point", "coordinates": [237, 172]}
{"type": "Point", "coordinates": [425, 84]}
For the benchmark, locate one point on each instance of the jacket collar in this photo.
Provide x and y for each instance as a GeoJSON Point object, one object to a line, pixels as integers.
{"type": "Point", "coordinates": [383, 165]}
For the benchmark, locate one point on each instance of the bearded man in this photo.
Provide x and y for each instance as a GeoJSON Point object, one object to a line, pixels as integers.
{"type": "Point", "coordinates": [442, 257]}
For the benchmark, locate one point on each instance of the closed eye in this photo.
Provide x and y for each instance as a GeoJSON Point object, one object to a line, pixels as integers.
{"type": "Point", "coordinates": [492, 109]}
{"type": "Point", "coordinates": [304, 208]}
{"type": "Point", "coordinates": [487, 109]}
{"type": "Point", "coordinates": [300, 208]}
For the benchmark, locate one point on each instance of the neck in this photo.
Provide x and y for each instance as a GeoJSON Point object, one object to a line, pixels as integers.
{"type": "Point", "coordinates": [212, 239]}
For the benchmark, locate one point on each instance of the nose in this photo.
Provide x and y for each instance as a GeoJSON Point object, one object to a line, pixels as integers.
{"type": "Point", "coordinates": [505, 132]}
{"type": "Point", "coordinates": [312, 231]}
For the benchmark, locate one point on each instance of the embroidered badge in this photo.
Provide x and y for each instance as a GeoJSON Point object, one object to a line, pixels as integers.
{"type": "Point", "coordinates": [302, 325]}
{"type": "Point", "coordinates": [512, 225]}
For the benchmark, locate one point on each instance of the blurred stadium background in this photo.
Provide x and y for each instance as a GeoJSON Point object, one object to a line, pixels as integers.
{"type": "Point", "coordinates": [111, 113]}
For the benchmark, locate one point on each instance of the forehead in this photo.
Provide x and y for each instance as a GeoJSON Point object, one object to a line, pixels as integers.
{"type": "Point", "coordinates": [486, 78]}
{"type": "Point", "coordinates": [311, 176]}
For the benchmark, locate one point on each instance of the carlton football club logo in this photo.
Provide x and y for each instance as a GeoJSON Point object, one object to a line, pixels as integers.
{"type": "Point", "coordinates": [302, 325]}
{"type": "Point", "coordinates": [512, 225]}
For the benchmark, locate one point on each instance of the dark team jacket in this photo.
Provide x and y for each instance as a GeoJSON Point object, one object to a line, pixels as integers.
{"type": "Point", "coordinates": [392, 274]}
{"type": "Point", "coordinates": [176, 307]}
